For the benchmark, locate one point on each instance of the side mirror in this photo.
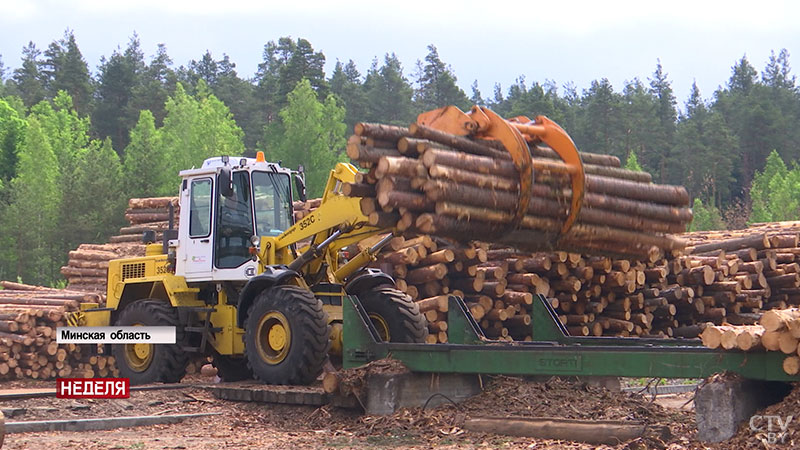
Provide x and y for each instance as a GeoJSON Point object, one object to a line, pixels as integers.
{"type": "Point", "coordinates": [300, 185]}
{"type": "Point", "coordinates": [224, 180]}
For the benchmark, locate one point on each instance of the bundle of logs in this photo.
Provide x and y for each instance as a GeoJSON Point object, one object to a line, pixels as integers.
{"type": "Point", "coordinates": [29, 316]}
{"type": "Point", "coordinates": [778, 330]}
{"type": "Point", "coordinates": [87, 267]}
{"type": "Point", "coordinates": [432, 182]}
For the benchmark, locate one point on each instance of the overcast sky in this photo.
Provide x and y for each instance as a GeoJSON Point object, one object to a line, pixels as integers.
{"type": "Point", "coordinates": [489, 41]}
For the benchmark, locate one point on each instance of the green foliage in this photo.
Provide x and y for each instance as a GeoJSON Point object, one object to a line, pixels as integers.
{"type": "Point", "coordinates": [143, 174]}
{"type": "Point", "coordinates": [311, 134]}
{"type": "Point", "coordinates": [197, 128]}
{"type": "Point", "coordinates": [27, 80]}
{"type": "Point", "coordinates": [31, 220]}
{"type": "Point", "coordinates": [68, 136]}
{"type": "Point", "coordinates": [641, 123]}
{"type": "Point", "coordinates": [705, 217]}
{"type": "Point", "coordinates": [389, 93]}
{"type": "Point", "coordinates": [117, 80]}
{"type": "Point", "coordinates": [66, 132]}
{"type": "Point", "coordinates": [665, 113]}
{"type": "Point", "coordinates": [632, 163]}
{"type": "Point", "coordinates": [238, 94]}
{"type": "Point", "coordinates": [284, 64]}
{"type": "Point", "coordinates": [346, 84]}
{"type": "Point", "coordinates": [156, 84]}
{"type": "Point", "coordinates": [705, 153]}
{"type": "Point", "coordinates": [64, 69]}
{"type": "Point", "coordinates": [533, 101]}
{"type": "Point", "coordinates": [437, 84]}
{"type": "Point", "coordinates": [476, 98]}
{"type": "Point", "coordinates": [599, 121]}
{"type": "Point", "coordinates": [775, 192]}
{"type": "Point", "coordinates": [99, 206]}
{"type": "Point", "coordinates": [12, 134]}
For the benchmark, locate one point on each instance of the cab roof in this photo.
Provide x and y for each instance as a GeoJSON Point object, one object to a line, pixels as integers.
{"type": "Point", "coordinates": [211, 165]}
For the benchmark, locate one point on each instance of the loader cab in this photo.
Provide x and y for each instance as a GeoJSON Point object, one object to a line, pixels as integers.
{"type": "Point", "coordinates": [225, 203]}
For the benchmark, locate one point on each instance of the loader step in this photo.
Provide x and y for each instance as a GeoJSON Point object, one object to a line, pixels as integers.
{"type": "Point", "coordinates": [201, 329]}
{"type": "Point", "coordinates": [205, 309]}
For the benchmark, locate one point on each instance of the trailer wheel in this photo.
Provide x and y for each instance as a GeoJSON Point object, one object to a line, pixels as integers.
{"type": "Point", "coordinates": [149, 363]}
{"type": "Point", "coordinates": [286, 336]}
{"type": "Point", "coordinates": [395, 315]}
{"type": "Point", "coordinates": [232, 369]}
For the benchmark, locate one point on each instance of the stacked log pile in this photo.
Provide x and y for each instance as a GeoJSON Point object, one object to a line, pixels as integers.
{"type": "Point", "coordinates": [675, 296]}
{"type": "Point", "coordinates": [87, 267]}
{"type": "Point", "coordinates": [436, 183]}
{"type": "Point", "coordinates": [429, 269]}
{"type": "Point", "coordinates": [302, 209]}
{"type": "Point", "coordinates": [592, 295]}
{"type": "Point", "coordinates": [777, 331]}
{"type": "Point", "coordinates": [145, 214]}
{"type": "Point", "coordinates": [29, 316]}
{"type": "Point", "coordinates": [768, 253]}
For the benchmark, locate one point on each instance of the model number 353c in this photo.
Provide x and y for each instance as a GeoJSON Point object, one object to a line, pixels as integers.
{"type": "Point", "coordinates": [305, 223]}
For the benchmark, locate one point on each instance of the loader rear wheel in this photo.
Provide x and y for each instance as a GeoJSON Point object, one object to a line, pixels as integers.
{"type": "Point", "coordinates": [232, 369]}
{"type": "Point", "coordinates": [395, 315]}
{"type": "Point", "coordinates": [286, 336]}
{"type": "Point", "coordinates": [149, 363]}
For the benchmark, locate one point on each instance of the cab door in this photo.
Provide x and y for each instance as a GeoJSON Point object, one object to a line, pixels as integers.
{"type": "Point", "coordinates": [198, 253]}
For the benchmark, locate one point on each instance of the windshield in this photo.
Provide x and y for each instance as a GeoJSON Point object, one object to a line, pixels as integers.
{"type": "Point", "coordinates": [271, 196]}
{"type": "Point", "coordinates": [234, 224]}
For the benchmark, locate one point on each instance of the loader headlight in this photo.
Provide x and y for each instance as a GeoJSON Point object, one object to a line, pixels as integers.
{"type": "Point", "coordinates": [255, 240]}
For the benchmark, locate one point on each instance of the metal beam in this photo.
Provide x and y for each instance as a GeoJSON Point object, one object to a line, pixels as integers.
{"type": "Point", "coordinates": [554, 354]}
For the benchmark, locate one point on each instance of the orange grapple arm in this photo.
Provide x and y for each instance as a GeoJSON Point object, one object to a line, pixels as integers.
{"type": "Point", "coordinates": [514, 134]}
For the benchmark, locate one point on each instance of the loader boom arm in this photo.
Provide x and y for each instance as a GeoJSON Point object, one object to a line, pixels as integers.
{"type": "Point", "coordinates": [336, 212]}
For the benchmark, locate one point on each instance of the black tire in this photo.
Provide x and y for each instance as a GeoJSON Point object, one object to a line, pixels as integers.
{"type": "Point", "coordinates": [301, 362]}
{"type": "Point", "coordinates": [399, 313]}
{"type": "Point", "coordinates": [232, 369]}
{"type": "Point", "coordinates": [168, 361]}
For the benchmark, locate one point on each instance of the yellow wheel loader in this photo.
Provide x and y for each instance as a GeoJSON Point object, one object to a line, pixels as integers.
{"type": "Point", "coordinates": [234, 284]}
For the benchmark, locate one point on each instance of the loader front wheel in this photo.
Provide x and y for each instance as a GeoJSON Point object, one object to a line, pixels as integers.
{"type": "Point", "coordinates": [150, 363]}
{"type": "Point", "coordinates": [286, 336]}
{"type": "Point", "coordinates": [395, 316]}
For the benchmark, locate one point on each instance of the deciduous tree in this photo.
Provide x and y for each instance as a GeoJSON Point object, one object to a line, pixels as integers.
{"type": "Point", "coordinates": [311, 134]}
{"type": "Point", "coordinates": [31, 221]}
{"type": "Point", "coordinates": [143, 172]}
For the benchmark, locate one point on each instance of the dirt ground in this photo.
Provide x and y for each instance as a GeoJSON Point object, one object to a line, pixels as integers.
{"type": "Point", "coordinates": [243, 425]}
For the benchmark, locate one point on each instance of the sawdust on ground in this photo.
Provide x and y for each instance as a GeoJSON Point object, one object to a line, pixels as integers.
{"type": "Point", "coordinates": [245, 425]}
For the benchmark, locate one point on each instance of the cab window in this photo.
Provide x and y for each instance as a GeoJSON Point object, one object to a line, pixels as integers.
{"type": "Point", "coordinates": [234, 224]}
{"type": "Point", "coordinates": [273, 206]}
{"type": "Point", "coordinates": [200, 208]}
